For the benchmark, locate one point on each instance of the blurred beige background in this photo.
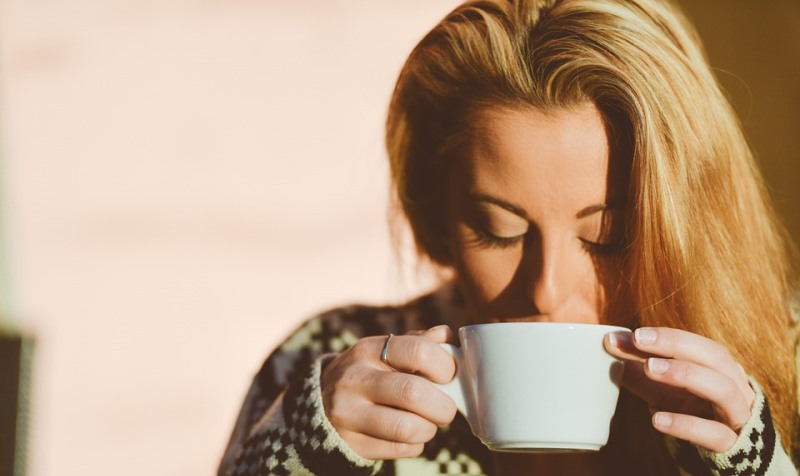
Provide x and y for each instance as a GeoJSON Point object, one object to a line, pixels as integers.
{"type": "Point", "coordinates": [183, 181]}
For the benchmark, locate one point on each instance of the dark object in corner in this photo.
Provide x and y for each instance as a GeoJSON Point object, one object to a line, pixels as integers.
{"type": "Point", "coordinates": [15, 367]}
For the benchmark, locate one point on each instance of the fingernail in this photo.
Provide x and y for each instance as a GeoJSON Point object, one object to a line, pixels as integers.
{"type": "Point", "coordinates": [612, 339]}
{"type": "Point", "coordinates": [657, 366]}
{"type": "Point", "coordinates": [663, 420]}
{"type": "Point", "coordinates": [619, 339]}
{"type": "Point", "coordinates": [645, 335]}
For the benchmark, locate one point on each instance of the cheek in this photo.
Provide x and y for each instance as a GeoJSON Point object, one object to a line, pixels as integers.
{"type": "Point", "coordinates": [484, 273]}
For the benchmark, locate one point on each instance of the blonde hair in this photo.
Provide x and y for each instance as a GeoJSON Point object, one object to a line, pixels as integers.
{"type": "Point", "coordinates": [705, 251]}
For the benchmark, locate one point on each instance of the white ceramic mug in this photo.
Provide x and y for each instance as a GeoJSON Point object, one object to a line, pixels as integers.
{"type": "Point", "coordinates": [536, 386]}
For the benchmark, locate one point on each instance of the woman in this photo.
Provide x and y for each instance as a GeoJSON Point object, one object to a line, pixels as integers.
{"type": "Point", "coordinates": [566, 161]}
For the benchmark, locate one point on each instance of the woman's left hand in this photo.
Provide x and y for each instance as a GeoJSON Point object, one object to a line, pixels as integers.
{"type": "Point", "coordinates": [701, 394]}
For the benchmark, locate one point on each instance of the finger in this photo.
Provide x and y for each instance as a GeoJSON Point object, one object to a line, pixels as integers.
{"type": "Point", "coordinates": [709, 434]}
{"type": "Point", "coordinates": [656, 394]}
{"type": "Point", "coordinates": [683, 345]}
{"type": "Point", "coordinates": [376, 449]}
{"type": "Point", "coordinates": [725, 396]}
{"type": "Point", "coordinates": [419, 355]}
{"type": "Point", "coordinates": [442, 330]}
{"type": "Point", "coordinates": [440, 334]}
{"type": "Point", "coordinates": [392, 424]}
{"type": "Point", "coordinates": [414, 394]}
{"type": "Point", "coordinates": [620, 345]}
{"type": "Point", "coordinates": [660, 396]}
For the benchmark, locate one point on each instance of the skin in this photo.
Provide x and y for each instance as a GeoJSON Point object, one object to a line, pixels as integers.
{"type": "Point", "coordinates": [535, 220]}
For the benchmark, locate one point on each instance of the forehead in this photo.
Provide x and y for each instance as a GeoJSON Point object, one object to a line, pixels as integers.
{"type": "Point", "coordinates": [530, 154]}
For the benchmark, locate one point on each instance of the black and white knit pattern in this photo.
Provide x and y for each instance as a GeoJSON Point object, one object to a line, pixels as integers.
{"type": "Point", "coordinates": [754, 450]}
{"type": "Point", "coordinates": [282, 428]}
{"type": "Point", "coordinates": [299, 440]}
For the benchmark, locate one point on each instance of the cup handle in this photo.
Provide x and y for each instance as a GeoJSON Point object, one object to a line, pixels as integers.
{"type": "Point", "coordinates": [455, 389]}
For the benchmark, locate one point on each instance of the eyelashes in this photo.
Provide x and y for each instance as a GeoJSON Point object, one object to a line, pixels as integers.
{"type": "Point", "coordinates": [601, 249]}
{"type": "Point", "coordinates": [486, 239]}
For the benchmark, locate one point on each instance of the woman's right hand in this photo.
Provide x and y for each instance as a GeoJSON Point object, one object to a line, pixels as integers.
{"type": "Point", "coordinates": [390, 411]}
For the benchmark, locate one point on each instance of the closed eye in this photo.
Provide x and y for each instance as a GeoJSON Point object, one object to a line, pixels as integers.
{"type": "Point", "coordinates": [601, 249]}
{"type": "Point", "coordinates": [489, 240]}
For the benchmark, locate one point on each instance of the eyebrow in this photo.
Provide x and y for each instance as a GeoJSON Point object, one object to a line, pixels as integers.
{"type": "Point", "coordinates": [519, 211]}
{"type": "Point", "coordinates": [480, 197]}
{"type": "Point", "coordinates": [600, 207]}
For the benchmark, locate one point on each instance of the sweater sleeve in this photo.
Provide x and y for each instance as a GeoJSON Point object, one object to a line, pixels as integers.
{"type": "Point", "coordinates": [757, 451]}
{"type": "Point", "coordinates": [294, 436]}
{"type": "Point", "coordinates": [282, 427]}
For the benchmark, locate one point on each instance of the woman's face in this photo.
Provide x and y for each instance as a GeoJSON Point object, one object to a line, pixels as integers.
{"type": "Point", "coordinates": [535, 218]}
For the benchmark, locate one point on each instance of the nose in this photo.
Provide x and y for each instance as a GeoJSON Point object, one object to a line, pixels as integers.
{"type": "Point", "coordinates": [553, 279]}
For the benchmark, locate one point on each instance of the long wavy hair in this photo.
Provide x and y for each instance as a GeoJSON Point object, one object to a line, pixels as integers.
{"type": "Point", "coordinates": [705, 251]}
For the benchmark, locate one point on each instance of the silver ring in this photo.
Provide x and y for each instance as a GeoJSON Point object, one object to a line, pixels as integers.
{"type": "Point", "coordinates": [385, 350]}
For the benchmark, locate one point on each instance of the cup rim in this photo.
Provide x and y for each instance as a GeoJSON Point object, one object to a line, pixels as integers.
{"type": "Point", "coordinates": [577, 325]}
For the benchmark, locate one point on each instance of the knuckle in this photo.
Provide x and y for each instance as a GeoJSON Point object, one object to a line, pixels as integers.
{"type": "Point", "coordinates": [718, 437]}
{"type": "Point", "coordinates": [336, 411]}
{"type": "Point", "coordinates": [411, 391]}
{"type": "Point", "coordinates": [403, 430]}
{"type": "Point", "coordinates": [720, 355]}
{"type": "Point", "coordinates": [739, 413]}
{"type": "Point", "coordinates": [338, 398]}
{"type": "Point", "coordinates": [731, 391]}
{"type": "Point", "coordinates": [361, 348]}
{"type": "Point", "coordinates": [349, 379]}
{"type": "Point", "coordinates": [684, 373]}
{"type": "Point", "coordinates": [420, 352]}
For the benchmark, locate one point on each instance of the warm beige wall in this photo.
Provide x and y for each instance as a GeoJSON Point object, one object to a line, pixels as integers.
{"type": "Point", "coordinates": [185, 180]}
{"type": "Point", "coordinates": [756, 48]}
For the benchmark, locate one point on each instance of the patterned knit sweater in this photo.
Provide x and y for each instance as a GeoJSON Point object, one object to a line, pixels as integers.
{"type": "Point", "coordinates": [282, 428]}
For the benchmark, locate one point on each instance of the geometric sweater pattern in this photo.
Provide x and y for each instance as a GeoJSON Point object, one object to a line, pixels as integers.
{"type": "Point", "coordinates": [282, 428]}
